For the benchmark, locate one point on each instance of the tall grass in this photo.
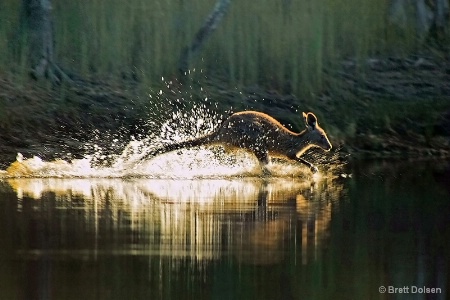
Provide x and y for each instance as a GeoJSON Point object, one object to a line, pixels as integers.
{"type": "Point", "coordinates": [274, 43]}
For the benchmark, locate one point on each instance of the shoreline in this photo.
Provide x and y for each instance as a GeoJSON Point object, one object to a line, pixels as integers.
{"type": "Point", "coordinates": [396, 121]}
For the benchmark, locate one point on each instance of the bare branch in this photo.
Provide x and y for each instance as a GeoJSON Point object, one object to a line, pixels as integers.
{"type": "Point", "coordinates": [203, 33]}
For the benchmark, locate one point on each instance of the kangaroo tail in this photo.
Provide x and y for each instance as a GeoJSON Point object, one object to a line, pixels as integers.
{"type": "Point", "coordinates": [176, 146]}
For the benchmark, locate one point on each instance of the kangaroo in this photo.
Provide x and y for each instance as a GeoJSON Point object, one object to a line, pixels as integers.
{"type": "Point", "coordinates": [262, 135]}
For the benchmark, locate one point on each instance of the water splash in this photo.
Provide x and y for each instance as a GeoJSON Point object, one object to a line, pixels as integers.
{"type": "Point", "coordinates": [122, 154]}
{"type": "Point", "coordinates": [203, 162]}
{"type": "Point", "coordinates": [132, 159]}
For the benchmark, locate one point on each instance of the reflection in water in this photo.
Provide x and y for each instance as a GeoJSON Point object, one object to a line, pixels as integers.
{"type": "Point", "coordinates": [97, 234]}
{"type": "Point", "coordinates": [137, 238]}
{"type": "Point", "coordinates": [234, 238]}
{"type": "Point", "coordinates": [200, 219]}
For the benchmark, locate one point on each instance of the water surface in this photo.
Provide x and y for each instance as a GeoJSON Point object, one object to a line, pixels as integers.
{"type": "Point", "coordinates": [334, 237]}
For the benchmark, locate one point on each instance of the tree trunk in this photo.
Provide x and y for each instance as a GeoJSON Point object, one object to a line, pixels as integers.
{"type": "Point", "coordinates": [429, 16]}
{"type": "Point", "coordinates": [398, 14]}
{"type": "Point", "coordinates": [39, 24]}
{"type": "Point", "coordinates": [441, 13]}
{"type": "Point", "coordinates": [203, 33]}
{"type": "Point", "coordinates": [424, 18]}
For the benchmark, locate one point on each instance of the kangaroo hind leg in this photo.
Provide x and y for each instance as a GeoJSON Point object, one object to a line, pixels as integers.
{"type": "Point", "coordinates": [264, 160]}
{"type": "Point", "coordinates": [262, 156]}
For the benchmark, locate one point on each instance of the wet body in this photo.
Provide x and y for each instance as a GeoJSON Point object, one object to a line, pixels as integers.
{"type": "Point", "coordinates": [262, 135]}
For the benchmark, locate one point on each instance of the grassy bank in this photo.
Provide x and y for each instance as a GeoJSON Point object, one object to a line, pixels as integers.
{"type": "Point", "coordinates": [360, 119]}
{"type": "Point", "coordinates": [278, 44]}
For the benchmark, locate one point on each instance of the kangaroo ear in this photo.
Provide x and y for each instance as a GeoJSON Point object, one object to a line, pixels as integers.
{"type": "Point", "coordinates": [310, 121]}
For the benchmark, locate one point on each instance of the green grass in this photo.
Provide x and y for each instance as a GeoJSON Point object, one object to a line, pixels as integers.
{"type": "Point", "coordinates": [273, 43]}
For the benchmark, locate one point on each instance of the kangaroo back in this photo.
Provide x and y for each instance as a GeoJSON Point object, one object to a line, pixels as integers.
{"type": "Point", "coordinates": [261, 134]}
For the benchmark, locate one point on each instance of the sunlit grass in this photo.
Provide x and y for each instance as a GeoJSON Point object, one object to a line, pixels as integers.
{"type": "Point", "coordinates": [280, 44]}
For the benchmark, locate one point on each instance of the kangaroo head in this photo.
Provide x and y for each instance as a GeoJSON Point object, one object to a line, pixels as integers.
{"type": "Point", "coordinates": [315, 134]}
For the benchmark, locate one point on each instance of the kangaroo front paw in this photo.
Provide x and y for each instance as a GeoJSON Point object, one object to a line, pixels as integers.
{"type": "Point", "coordinates": [314, 169]}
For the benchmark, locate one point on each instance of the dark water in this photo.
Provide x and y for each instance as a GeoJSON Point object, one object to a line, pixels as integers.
{"type": "Point", "coordinates": [336, 238]}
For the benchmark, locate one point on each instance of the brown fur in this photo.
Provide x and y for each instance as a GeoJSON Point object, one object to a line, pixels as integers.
{"type": "Point", "coordinates": [263, 135]}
